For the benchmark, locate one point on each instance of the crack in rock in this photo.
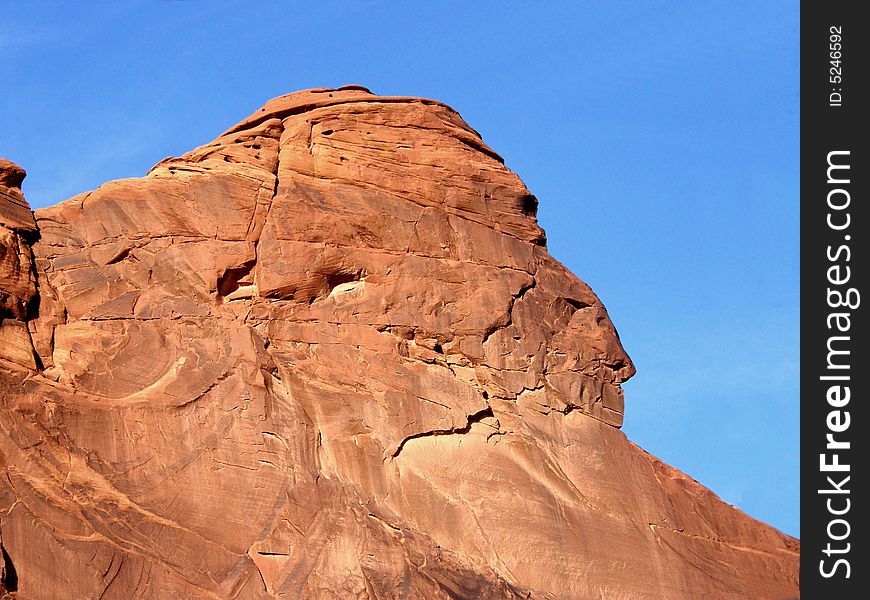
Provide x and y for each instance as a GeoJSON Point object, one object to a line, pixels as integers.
{"type": "Point", "coordinates": [471, 420]}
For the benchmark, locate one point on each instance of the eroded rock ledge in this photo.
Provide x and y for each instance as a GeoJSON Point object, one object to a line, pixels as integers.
{"type": "Point", "coordinates": [328, 356]}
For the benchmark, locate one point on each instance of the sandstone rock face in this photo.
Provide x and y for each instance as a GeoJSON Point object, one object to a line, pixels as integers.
{"type": "Point", "coordinates": [17, 274]}
{"type": "Point", "coordinates": [328, 356]}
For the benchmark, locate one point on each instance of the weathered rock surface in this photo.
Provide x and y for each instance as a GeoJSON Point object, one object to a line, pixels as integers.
{"type": "Point", "coordinates": [328, 356]}
{"type": "Point", "coordinates": [17, 275]}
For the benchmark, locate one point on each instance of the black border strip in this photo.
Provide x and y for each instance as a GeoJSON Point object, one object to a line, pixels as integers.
{"type": "Point", "coordinates": [834, 336]}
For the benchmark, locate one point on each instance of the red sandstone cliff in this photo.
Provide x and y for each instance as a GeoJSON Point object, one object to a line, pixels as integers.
{"type": "Point", "coordinates": [328, 356]}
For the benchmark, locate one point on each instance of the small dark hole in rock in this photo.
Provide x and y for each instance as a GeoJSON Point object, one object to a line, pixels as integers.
{"type": "Point", "coordinates": [328, 132]}
{"type": "Point", "coordinates": [485, 395]}
{"type": "Point", "coordinates": [529, 205]}
{"type": "Point", "coordinates": [577, 304]}
{"type": "Point", "coordinates": [229, 281]}
{"type": "Point", "coordinates": [226, 159]}
{"type": "Point", "coordinates": [437, 348]}
{"type": "Point", "coordinates": [119, 257]}
{"type": "Point", "coordinates": [334, 279]}
{"type": "Point", "coordinates": [31, 309]}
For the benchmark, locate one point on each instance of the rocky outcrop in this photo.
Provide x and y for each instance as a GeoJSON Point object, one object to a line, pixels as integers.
{"type": "Point", "coordinates": [18, 294]}
{"type": "Point", "coordinates": [328, 356]}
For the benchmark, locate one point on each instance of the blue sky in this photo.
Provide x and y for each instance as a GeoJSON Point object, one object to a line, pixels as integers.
{"type": "Point", "coordinates": [661, 139]}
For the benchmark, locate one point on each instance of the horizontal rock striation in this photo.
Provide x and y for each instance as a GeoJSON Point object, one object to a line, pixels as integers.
{"type": "Point", "coordinates": [328, 356]}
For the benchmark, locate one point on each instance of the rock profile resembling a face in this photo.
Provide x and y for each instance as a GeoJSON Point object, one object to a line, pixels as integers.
{"type": "Point", "coordinates": [328, 356]}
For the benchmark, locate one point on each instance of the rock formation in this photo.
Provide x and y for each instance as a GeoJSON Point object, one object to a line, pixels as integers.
{"type": "Point", "coordinates": [328, 356]}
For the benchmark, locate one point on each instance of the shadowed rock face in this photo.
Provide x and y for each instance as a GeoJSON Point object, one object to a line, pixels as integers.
{"type": "Point", "coordinates": [328, 356]}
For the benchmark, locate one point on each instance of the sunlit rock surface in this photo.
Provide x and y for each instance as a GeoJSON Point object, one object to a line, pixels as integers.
{"type": "Point", "coordinates": [328, 356]}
